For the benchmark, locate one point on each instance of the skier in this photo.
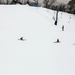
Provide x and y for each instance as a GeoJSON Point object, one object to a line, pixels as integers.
{"type": "Point", "coordinates": [57, 41]}
{"type": "Point", "coordinates": [55, 22]}
{"type": "Point", "coordinates": [56, 18]}
{"type": "Point", "coordinates": [21, 38]}
{"type": "Point", "coordinates": [63, 28]}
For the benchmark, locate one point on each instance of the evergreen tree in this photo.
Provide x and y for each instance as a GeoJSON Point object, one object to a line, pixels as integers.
{"type": "Point", "coordinates": [72, 6]}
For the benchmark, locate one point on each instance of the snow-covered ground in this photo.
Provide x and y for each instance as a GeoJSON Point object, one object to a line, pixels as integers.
{"type": "Point", "coordinates": [38, 54]}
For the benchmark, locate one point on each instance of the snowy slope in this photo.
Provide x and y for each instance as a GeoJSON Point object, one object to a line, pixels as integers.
{"type": "Point", "coordinates": [38, 54]}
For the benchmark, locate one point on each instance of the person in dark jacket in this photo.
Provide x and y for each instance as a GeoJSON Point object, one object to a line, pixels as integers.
{"type": "Point", "coordinates": [58, 41]}
{"type": "Point", "coordinates": [63, 28]}
{"type": "Point", "coordinates": [21, 38]}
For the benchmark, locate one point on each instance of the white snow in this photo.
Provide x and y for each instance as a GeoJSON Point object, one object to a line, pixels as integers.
{"type": "Point", "coordinates": [38, 54]}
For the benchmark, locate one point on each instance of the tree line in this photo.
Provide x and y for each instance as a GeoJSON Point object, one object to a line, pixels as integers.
{"type": "Point", "coordinates": [18, 1]}
{"type": "Point", "coordinates": [70, 7]}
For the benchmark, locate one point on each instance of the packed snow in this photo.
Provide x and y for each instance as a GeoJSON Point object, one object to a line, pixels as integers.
{"type": "Point", "coordinates": [38, 54]}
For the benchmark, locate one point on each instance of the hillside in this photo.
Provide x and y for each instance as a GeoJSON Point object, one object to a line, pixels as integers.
{"type": "Point", "coordinates": [38, 54]}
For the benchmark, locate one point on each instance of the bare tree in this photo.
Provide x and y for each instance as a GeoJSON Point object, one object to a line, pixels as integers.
{"type": "Point", "coordinates": [51, 2]}
{"type": "Point", "coordinates": [3, 1]}
{"type": "Point", "coordinates": [48, 3]}
{"type": "Point", "coordinates": [9, 1]}
{"type": "Point", "coordinates": [22, 1]}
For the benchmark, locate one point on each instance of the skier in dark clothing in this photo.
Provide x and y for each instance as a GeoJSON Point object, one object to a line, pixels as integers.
{"type": "Point", "coordinates": [21, 38]}
{"type": "Point", "coordinates": [55, 22]}
{"type": "Point", "coordinates": [57, 41]}
{"type": "Point", "coordinates": [63, 28]}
